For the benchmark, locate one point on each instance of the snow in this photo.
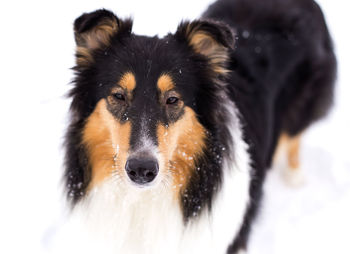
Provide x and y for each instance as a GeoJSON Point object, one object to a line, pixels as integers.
{"type": "Point", "coordinates": [37, 49]}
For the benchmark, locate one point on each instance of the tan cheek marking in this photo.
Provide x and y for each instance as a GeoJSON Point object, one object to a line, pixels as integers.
{"type": "Point", "coordinates": [165, 83]}
{"type": "Point", "coordinates": [180, 144]}
{"type": "Point", "coordinates": [128, 81]}
{"type": "Point", "coordinates": [104, 137]}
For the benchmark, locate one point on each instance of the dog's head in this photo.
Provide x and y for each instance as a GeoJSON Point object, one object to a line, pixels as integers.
{"type": "Point", "coordinates": [146, 111]}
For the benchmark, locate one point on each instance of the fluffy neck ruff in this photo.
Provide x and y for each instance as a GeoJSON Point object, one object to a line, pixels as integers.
{"type": "Point", "coordinates": [129, 220]}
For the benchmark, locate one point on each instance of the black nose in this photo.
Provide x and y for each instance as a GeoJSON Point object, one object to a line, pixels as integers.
{"type": "Point", "coordinates": [142, 171]}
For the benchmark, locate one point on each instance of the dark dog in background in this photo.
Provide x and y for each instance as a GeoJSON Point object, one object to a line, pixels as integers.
{"type": "Point", "coordinates": [170, 138]}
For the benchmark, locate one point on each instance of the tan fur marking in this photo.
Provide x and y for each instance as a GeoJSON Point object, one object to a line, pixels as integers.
{"type": "Point", "coordinates": [128, 81]}
{"type": "Point", "coordinates": [292, 146]}
{"type": "Point", "coordinates": [100, 35]}
{"type": "Point", "coordinates": [281, 144]}
{"type": "Point", "coordinates": [93, 39]}
{"type": "Point", "coordinates": [84, 57]}
{"type": "Point", "coordinates": [107, 142]}
{"type": "Point", "coordinates": [165, 83]}
{"type": "Point", "coordinates": [293, 152]}
{"type": "Point", "coordinates": [203, 43]}
{"type": "Point", "coordinates": [206, 45]}
{"type": "Point", "coordinates": [180, 144]}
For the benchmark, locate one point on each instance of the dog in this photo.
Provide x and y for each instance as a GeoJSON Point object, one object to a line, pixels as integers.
{"type": "Point", "coordinates": [170, 138]}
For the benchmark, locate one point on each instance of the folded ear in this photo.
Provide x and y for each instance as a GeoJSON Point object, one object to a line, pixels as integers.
{"type": "Point", "coordinates": [209, 38]}
{"type": "Point", "coordinates": [94, 31]}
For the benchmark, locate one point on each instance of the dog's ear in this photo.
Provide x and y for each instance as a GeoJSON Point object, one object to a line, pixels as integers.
{"type": "Point", "coordinates": [209, 38]}
{"type": "Point", "coordinates": [95, 30]}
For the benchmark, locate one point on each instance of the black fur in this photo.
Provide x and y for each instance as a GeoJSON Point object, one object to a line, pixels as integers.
{"type": "Point", "coordinates": [282, 71]}
{"type": "Point", "coordinates": [283, 79]}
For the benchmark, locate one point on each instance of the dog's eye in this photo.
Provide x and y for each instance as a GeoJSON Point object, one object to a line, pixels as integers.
{"type": "Point", "coordinates": [172, 100]}
{"type": "Point", "coordinates": [119, 96]}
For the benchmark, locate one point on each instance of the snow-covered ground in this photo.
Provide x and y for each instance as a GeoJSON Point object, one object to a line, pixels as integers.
{"type": "Point", "coordinates": [37, 49]}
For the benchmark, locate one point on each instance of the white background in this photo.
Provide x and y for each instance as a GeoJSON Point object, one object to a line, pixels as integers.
{"type": "Point", "coordinates": [36, 52]}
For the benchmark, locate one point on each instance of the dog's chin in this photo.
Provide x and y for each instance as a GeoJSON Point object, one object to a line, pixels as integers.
{"type": "Point", "coordinates": [143, 186]}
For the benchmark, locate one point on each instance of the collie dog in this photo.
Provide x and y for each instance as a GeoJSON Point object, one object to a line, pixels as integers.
{"type": "Point", "coordinates": [170, 138]}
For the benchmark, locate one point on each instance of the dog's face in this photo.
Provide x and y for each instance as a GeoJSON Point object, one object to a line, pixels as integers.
{"type": "Point", "coordinates": [141, 103]}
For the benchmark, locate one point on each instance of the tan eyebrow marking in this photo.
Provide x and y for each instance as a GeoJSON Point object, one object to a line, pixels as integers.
{"type": "Point", "coordinates": [165, 83]}
{"type": "Point", "coordinates": [128, 81]}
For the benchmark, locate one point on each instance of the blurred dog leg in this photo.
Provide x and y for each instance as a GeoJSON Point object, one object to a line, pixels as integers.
{"type": "Point", "coordinates": [287, 159]}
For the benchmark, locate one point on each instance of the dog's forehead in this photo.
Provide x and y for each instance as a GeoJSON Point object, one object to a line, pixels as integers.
{"type": "Point", "coordinates": [151, 62]}
{"type": "Point", "coordinates": [145, 54]}
{"type": "Point", "coordinates": [129, 56]}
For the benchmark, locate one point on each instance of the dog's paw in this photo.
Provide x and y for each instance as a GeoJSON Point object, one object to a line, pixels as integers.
{"type": "Point", "coordinates": [294, 177]}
